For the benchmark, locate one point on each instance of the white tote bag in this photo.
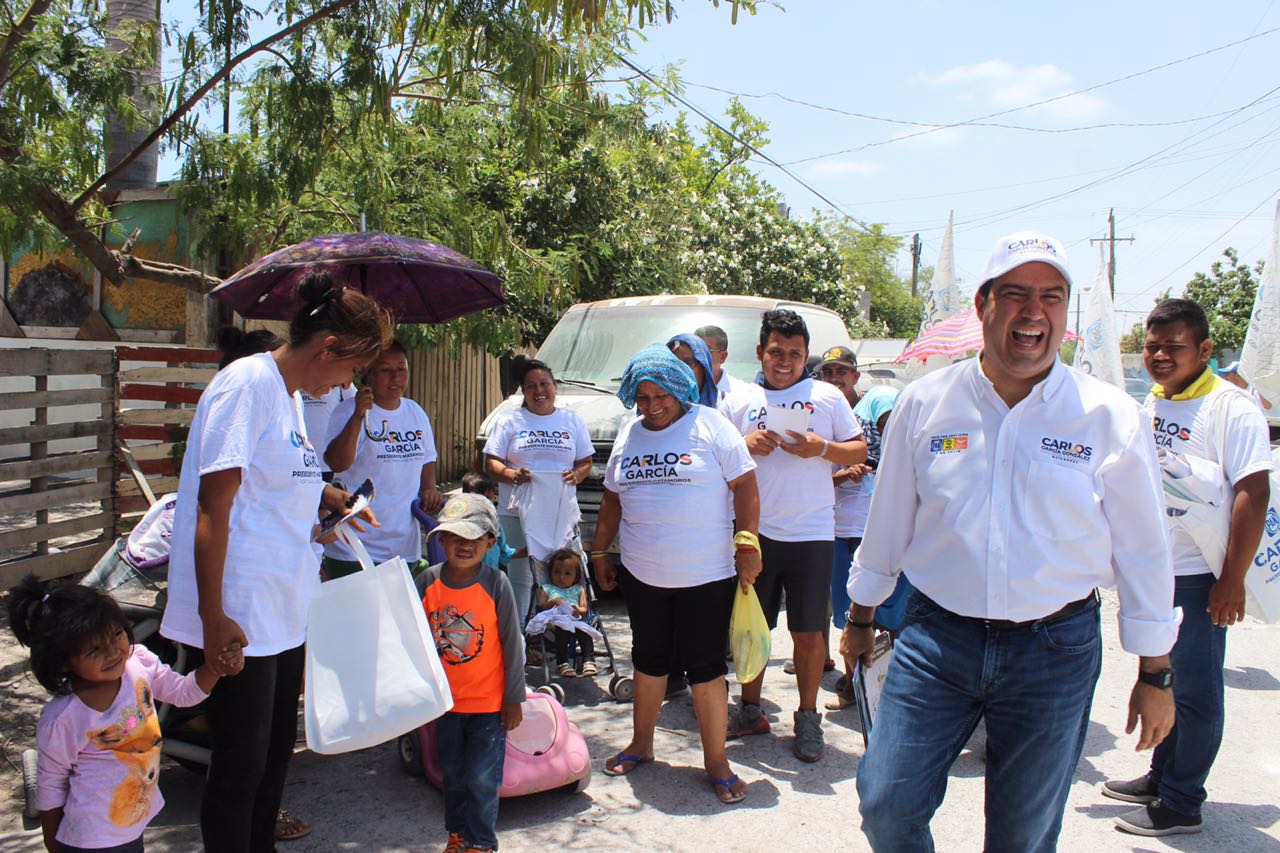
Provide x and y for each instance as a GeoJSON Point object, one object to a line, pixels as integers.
{"type": "Point", "coordinates": [372, 669]}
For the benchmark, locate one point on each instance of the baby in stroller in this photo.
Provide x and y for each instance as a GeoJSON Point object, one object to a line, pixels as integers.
{"type": "Point", "coordinates": [563, 601]}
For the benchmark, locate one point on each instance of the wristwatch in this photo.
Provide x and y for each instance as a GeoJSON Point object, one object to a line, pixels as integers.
{"type": "Point", "coordinates": [1162, 678]}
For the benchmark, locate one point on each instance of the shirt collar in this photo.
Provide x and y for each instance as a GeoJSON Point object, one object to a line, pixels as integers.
{"type": "Point", "coordinates": [1200, 388]}
{"type": "Point", "coordinates": [1044, 390]}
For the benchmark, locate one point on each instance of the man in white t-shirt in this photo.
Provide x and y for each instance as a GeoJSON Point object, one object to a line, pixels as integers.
{"type": "Point", "coordinates": [381, 435]}
{"type": "Point", "coordinates": [717, 340]}
{"type": "Point", "coordinates": [1197, 414]}
{"type": "Point", "coordinates": [797, 516]}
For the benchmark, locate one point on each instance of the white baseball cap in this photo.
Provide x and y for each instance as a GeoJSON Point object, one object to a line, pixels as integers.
{"type": "Point", "coordinates": [1025, 247]}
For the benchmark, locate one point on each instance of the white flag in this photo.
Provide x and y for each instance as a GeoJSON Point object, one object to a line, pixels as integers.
{"type": "Point", "coordinates": [943, 298]}
{"type": "Point", "coordinates": [1260, 360]}
{"type": "Point", "coordinates": [1098, 350]}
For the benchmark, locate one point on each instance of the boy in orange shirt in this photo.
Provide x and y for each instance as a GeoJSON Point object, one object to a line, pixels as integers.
{"type": "Point", "coordinates": [472, 613]}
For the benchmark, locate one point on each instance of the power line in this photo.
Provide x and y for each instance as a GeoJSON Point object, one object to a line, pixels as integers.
{"type": "Point", "coordinates": [1042, 102]}
{"type": "Point", "coordinates": [753, 149]}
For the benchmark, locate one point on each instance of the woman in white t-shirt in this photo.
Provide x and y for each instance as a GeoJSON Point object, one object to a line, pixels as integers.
{"type": "Point", "coordinates": [383, 436]}
{"type": "Point", "coordinates": [536, 438]}
{"type": "Point", "coordinates": [242, 567]}
{"type": "Point", "coordinates": [679, 461]}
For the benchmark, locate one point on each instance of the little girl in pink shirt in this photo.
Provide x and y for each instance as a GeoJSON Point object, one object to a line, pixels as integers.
{"type": "Point", "coordinates": [99, 738]}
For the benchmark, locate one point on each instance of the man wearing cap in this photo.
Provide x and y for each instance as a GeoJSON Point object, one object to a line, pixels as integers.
{"type": "Point", "coordinates": [797, 500]}
{"type": "Point", "coordinates": [1010, 487]}
{"type": "Point", "coordinates": [1213, 443]}
{"type": "Point", "coordinates": [1232, 374]}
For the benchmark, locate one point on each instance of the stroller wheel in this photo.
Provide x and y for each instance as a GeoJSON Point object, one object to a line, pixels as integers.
{"type": "Point", "coordinates": [408, 748]}
{"type": "Point", "coordinates": [553, 690]}
{"type": "Point", "coordinates": [30, 758]}
{"type": "Point", "coordinates": [622, 688]}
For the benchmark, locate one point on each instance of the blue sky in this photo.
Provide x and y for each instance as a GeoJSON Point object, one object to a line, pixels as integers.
{"type": "Point", "coordinates": [1199, 172]}
{"type": "Point", "coordinates": [1184, 190]}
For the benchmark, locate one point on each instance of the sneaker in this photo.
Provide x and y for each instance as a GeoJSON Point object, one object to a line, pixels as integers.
{"type": "Point", "coordinates": [457, 844]}
{"type": "Point", "coordinates": [677, 685]}
{"type": "Point", "coordinates": [565, 670]}
{"type": "Point", "coordinates": [807, 745]}
{"type": "Point", "coordinates": [1141, 790]}
{"type": "Point", "coordinates": [1155, 820]}
{"type": "Point", "coordinates": [589, 669]}
{"type": "Point", "coordinates": [747, 719]}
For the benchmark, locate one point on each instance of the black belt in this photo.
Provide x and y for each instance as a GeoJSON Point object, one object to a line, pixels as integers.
{"type": "Point", "coordinates": [1061, 613]}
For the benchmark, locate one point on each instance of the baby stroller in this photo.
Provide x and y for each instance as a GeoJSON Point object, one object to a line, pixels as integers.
{"type": "Point", "coordinates": [559, 618]}
{"type": "Point", "coordinates": [134, 571]}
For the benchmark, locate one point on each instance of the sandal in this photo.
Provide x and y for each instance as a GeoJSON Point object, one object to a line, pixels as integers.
{"type": "Point", "coordinates": [625, 758]}
{"type": "Point", "coordinates": [589, 669]}
{"type": "Point", "coordinates": [565, 670]}
{"type": "Point", "coordinates": [290, 828]}
{"type": "Point", "coordinates": [728, 797]}
{"type": "Point", "coordinates": [843, 699]}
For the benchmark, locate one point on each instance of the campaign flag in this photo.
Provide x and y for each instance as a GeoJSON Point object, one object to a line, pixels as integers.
{"type": "Point", "coordinates": [1260, 360]}
{"type": "Point", "coordinates": [1098, 350]}
{"type": "Point", "coordinates": [943, 299]}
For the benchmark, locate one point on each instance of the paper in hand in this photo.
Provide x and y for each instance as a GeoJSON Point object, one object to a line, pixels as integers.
{"type": "Point", "coordinates": [780, 419]}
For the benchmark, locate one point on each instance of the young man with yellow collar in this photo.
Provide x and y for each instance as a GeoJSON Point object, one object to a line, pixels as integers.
{"type": "Point", "coordinates": [1197, 414]}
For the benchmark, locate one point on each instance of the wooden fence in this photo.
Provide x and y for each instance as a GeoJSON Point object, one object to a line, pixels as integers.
{"type": "Point", "coordinates": [57, 509]}
{"type": "Point", "coordinates": [154, 434]}
{"type": "Point", "coordinates": [457, 387]}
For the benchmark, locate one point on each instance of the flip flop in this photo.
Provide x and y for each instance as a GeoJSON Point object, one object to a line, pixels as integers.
{"type": "Point", "coordinates": [841, 701]}
{"type": "Point", "coordinates": [623, 758]}
{"type": "Point", "coordinates": [727, 784]}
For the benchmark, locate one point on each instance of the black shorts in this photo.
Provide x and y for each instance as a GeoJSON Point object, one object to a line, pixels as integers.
{"type": "Point", "coordinates": [803, 571]}
{"type": "Point", "coordinates": [690, 622]}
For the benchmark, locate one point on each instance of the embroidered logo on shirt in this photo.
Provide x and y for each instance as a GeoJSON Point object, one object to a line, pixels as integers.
{"type": "Point", "coordinates": [952, 443]}
{"type": "Point", "coordinates": [1066, 450]}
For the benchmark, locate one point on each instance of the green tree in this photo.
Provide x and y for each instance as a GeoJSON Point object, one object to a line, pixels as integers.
{"type": "Point", "coordinates": [867, 256]}
{"type": "Point", "coordinates": [1133, 340]}
{"type": "Point", "coordinates": [1226, 294]}
{"type": "Point", "coordinates": [330, 73]}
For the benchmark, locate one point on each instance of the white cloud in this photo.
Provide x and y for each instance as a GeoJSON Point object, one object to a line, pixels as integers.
{"type": "Point", "coordinates": [1003, 86]}
{"type": "Point", "coordinates": [843, 168]}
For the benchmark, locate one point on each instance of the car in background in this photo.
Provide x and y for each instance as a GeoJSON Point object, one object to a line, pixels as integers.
{"type": "Point", "coordinates": [589, 348]}
{"type": "Point", "coordinates": [1137, 387]}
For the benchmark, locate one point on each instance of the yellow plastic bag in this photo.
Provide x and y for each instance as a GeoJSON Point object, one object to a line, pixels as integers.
{"type": "Point", "coordinates": [748, 635]}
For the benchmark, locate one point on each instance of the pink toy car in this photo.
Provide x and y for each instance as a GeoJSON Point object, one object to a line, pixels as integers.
{"type": "Point", "coordinates": [544, 752]}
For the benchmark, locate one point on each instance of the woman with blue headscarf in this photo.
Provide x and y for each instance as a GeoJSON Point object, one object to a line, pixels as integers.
{"type": "Point", "coordinates": [696, 355]}
{"type": "Point", "coordinates": [675, 462]}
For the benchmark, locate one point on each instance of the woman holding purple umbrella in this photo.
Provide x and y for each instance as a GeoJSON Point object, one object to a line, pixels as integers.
{"type": "Point", "coordinates": [242, 567]}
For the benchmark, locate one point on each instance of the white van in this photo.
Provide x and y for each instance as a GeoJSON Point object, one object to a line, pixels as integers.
{"type": "Point", "coordinates": [591, 344]}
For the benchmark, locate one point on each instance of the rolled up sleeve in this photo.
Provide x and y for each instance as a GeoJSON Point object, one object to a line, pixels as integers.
{"type": "Point", "coordinates": [1133, 502]}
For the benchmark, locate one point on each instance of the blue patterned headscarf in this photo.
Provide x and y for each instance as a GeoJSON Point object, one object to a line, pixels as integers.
{"type": "Point", "coordinates": [708, 395]}
{"type": "Point", "coordinates": [657, 364]}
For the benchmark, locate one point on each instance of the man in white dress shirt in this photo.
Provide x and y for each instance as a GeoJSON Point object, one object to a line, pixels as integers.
{"type": "Point", "coordinates": [717, 340]}
{"type": "Point", "coordinates": [1010, 487]}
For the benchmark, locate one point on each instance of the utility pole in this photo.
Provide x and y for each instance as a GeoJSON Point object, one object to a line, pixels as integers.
{"type": "Point", "coordinates": [1111, 239]}
{"type": "Point", "coordinates": [915, 263]}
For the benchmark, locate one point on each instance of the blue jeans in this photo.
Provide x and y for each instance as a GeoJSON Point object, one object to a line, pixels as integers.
{"type": "Point", "coordinates": [1033, 684]}
{"type": "Point", "coordinates": [840, 563]}
{"type": "Point", "coordinates": [472, 748]}
{"type": "Point", "coordinates": [1181, 763]}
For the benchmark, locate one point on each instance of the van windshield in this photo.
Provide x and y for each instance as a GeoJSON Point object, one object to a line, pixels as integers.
{"type": "Point", "coordinates": [593, 344]}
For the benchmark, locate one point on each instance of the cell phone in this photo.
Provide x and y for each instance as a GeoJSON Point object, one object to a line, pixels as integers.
{"type": "Point", "coordinates": [355, 504]}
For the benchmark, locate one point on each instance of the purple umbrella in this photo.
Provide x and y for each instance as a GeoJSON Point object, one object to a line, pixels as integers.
{"type": "Point", "coordinates": [417, 280]}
